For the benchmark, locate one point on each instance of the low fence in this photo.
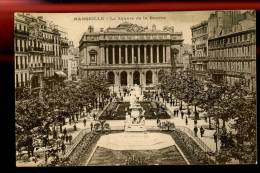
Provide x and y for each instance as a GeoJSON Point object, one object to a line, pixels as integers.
{"type": "Point", "coordinates": [75, 142]}
{"type": "Point", "coordinates": [197, 139]}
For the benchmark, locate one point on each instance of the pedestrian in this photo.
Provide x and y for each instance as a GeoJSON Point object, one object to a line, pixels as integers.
{"type": "Point", "coordinates": [177, 111]}
{"type": "Point", "coordinates": [54, 134]}
{"type": "Point", "coordinates": [157, 120]}
{"type": "Point", "coordinates": [182, 114]}
{"type": "Point", "coordinates": [173, 103]}
{"type": "Point", "coordinates": [62, 138]}
{"type": "Point", "coordinates": [195, 131]}
{"type": "Point", "coordinates": [70, 121]}
{"type": "Point", "coordinates": [206, 119]}
{"type": "Point", "coordinates": [186, 121]}
{"type": "Point", "coordinates": [91, 126]}
{"type": "Point", "coordinates": [70, 138]}
{"type": "Point", "coordinates": [174, 113]}
{"type": "Point", "coordinates": [67, 138]}
{"type": "Point", "coordinates": [77, 117]}
{"type": "Point", "coordinates": [58, 142]}
{"type": "Point", "coordinates": [94, 116]}
{"type": "Point", "coordinates": [63, 121]}
{"type": "Point", "coordinates": [215, 137]}
{"type": "Point", "coordinates": [84, 121]}
{"type": "Point", "coordinates": [195, 122]}
{"type": "Point", "coordinates": [63, 148]}
{"type": "Point", "coordinates": [75, 127]}
{"type": "Point", "coordinates": [201, 131]}
{"type": "Point", "coordinates": [73, 118]}
{"type": "Point", "coordinates": [65, 131]}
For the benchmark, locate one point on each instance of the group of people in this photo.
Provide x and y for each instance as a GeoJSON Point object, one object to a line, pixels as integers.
{"type": "Point", "coordinates": [66, 137]}
{"type": "Point", "coordinates": [201, 131]}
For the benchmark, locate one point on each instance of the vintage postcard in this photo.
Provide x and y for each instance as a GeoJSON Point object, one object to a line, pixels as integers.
{"type": "Point", "coordinates": [135, 88]}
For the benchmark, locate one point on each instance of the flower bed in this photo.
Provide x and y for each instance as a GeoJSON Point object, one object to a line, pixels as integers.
{"type": "Point", "coordinates": [117, 111]}
{"type": "Point", "coordinates": [154, 111]}
{"type": "Point", "coordinates": [190, 148]}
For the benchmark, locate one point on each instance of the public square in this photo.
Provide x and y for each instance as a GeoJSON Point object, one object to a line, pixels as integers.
{"type": "Point", "coordinates": [135, 92]}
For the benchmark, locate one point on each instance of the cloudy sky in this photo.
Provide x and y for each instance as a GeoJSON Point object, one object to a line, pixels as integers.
{"type": "Point", "coordinates": [182, 21]}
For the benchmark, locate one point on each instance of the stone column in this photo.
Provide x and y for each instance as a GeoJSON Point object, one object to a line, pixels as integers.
{"type": "Point", "coordinates": [157, 52]}
{"type": "Point", "coordinates": [126, 56]}
{"type": "Point", "coordinates": [106, 55]}
{"type": "Point", "coordinates": [151, 54]}
{"type": "Point", "coordinates": [145, 54]}
{"type": "Point", "coordinates": [113, 54]}
{"type": "Point", "coordinates": [119, 51]}
{"type": "Point", "coordinates": [168, 54]}
{"type": "Point", "coordinates": [132, 54]}
{"type": "Point", "coordinates": [164, 59]}
{"type": "Point", "coordinates": [138, 54]}
{"type": "Point", "coordinates": [102, 55]}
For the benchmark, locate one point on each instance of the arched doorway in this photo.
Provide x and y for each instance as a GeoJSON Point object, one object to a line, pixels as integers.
{"type": "Point", "coordinates": [35, 82]}
{"type": "Point", "coordinates": [149, 77]}
{"type": "Point", "coordinates": [123, 78]}
{"type": "Point", "coordinates": [111, 77]}
{"type": "Point", "coordinates": [136, 78]}
{"type": "Point", "coordinates": [160, 75]}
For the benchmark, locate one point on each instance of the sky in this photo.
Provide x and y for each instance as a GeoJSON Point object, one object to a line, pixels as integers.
{"type": "Point", "coordinates": [182, 21]}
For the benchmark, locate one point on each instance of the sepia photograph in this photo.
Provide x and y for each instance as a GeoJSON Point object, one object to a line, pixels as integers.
{"type": "Point", "coordinates": [135, 88]}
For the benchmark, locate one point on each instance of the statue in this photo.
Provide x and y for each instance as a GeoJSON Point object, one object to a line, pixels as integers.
{"type": "Point", "coordinates": [135, 122]}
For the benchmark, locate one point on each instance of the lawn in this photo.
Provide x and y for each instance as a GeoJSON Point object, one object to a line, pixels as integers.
{"type": "Point", "coordinates": [107, 157]}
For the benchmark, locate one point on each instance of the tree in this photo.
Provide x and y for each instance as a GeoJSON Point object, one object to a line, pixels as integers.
{"type": "Point", "coordinates": [240, 105]}
{"type": "Point", "coordinates": [212, 93]}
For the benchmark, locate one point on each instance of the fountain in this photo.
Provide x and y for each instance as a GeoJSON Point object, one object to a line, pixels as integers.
{"type": "Point", "coordinates": [136, 120]}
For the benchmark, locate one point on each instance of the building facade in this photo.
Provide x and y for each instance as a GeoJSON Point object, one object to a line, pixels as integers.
{"type": "Point", "coordinates": [199, 39]}
{"type": "Point", "coordinates": [232, 47]}
{"type": "Point", "coordinates": [37, 45]}
{"type": "Point", "coordinates": [70, 62]}
{"type": "Point", "coordinates": [130, 54]}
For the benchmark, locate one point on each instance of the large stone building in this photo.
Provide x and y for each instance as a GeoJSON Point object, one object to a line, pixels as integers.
{"type": "Point", "coordinates": [199, 39]}
{"type": "Point", "coordinates": [130, 54]}
{"type": "Point", "coordinates": [232, 47]}
{"type": "Point", "coordinates": [38, 46]}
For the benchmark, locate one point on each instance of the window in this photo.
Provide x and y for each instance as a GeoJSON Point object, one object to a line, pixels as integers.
{"type": "Point", "coordinates": [25, 60]}
{"type": "Point", "coordinates": [25, 76]}
{"type": "Point", "coordinates": [17, 82]}
{"type": "Point", "coordinates": [16, 62]}
{"type": "Point", "coordinates": [21, 62]}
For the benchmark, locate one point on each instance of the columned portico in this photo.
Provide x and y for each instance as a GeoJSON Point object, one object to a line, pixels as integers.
{"type": "Point", "coordinates": [130, 57]}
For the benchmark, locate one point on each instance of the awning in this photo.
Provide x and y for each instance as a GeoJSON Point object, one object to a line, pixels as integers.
{"type": "Point", "coordinates": [60, 74]}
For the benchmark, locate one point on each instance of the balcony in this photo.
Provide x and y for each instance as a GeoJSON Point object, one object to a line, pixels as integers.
{"type": "Point", "coordinates": [64, 44]}
{"type": "Point", "coordinates": [36, 69]}
{"type": "Point", "coordinates": [21, 32]}
{"type": "Point", "coordinates": [196, 59]}
{"type": "Point", "coordinates": [49, 52]}
{"type": "Point", "coordinates": [22, 49]}
{"type": "Point", "coordinates": [35, 49]}
{"type": "Point", "coordinates": [48, 40]}
{"type": "Point", "coordinates": [216, 71]}
{"type": "Point", "coordinates": [129, 66]}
